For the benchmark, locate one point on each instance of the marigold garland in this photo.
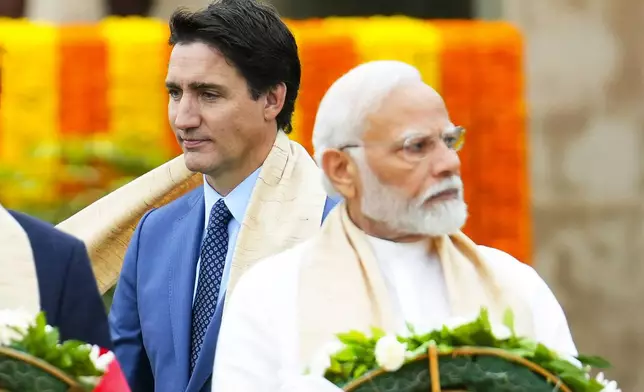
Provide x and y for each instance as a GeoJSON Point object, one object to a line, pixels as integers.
{"type": "Point", "coordinates": [29, 105]}
{"type": "Point", "coordinates": [106, 80]}
{"type": "Point", "coordinates": [324, 59]}
{"type": "Point", "coordinates": [137, 61]}
{"type": "Point", "coordinates": [482, 79]}
{"type": "Point", "coordinates": [83, 80]}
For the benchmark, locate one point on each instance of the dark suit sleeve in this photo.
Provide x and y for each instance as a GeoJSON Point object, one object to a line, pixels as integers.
{"type": "Point", "coordinates": [125, 324]}
{"type": "Point", "coordinates": [81, 307]}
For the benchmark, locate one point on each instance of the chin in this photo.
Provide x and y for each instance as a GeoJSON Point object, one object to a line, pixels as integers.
{"type": "Point", "coordinates": [447, 218]}
{"type": "Point", "coordinates": [195, 162]}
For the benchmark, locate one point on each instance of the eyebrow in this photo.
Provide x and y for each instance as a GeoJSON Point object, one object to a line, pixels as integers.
{"type": "Point", "coordinates": [415, 133]}
{"type": "Point", "coordinates": [196, 86]}
{"type": "Point", "coordinates": [410, 133]}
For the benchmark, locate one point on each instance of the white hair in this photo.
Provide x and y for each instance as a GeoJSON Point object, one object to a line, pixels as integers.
{"type": "Point", "coordinates": [342, 113]}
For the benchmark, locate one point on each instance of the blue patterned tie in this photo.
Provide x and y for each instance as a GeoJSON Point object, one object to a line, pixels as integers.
{"type": "Point", "coordinates": [211, 269]}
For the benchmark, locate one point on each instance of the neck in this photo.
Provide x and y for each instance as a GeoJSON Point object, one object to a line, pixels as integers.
{"type": "Point", "coordinates": [227, 179]}
{"type": "Point", "coordinates": [379, 229]}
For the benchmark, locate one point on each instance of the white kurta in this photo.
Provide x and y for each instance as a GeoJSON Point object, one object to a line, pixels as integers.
{"type": "Point", "coordinates": [258, 342]}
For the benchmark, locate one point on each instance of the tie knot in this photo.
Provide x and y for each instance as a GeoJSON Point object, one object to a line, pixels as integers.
{"type": "Point", "coordinates": [219, 215]}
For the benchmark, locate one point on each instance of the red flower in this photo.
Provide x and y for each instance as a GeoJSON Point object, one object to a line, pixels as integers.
{"type": "Point", "coordinates": [113, 380]}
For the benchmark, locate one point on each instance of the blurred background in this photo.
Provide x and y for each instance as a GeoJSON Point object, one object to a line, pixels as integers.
{"type": "Point", "coordinates": [551, 91]}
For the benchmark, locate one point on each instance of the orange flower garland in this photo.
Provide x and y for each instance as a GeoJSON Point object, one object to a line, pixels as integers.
{"type": "Point", "coordinates": [83, 80]}
{"type": "Point", "coordinates": [324, 59]}
{"type": "Point", "coordinates": [483, 89]}
{"type": "Point", "coordinates": [458, 91]}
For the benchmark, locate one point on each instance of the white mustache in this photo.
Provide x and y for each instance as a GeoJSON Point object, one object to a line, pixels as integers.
{"type": "Point", "coordinates": [450, 183]}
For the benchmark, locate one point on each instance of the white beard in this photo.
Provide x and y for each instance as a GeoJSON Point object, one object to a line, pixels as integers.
{"type": "Point", "coordinates": [385, 204]}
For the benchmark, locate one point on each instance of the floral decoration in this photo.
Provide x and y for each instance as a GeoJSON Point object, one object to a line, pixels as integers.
{"type": "Point", "coordinates": [87, 364]}
{"type": "Point", "coordinates": [355, 354]}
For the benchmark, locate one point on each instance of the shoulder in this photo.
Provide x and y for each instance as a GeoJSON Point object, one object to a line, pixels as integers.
{"type": "Point", "coordinates": [280, 267]}
{"type": "Point", "coordinates": [273, 276]}
{"type": "Point", "coordinates": [265, 296]}
{"type": "Point", "coordinates": [44, 235]}
{"type": "Point", "coordinates": [55, 252]}
{"type": "Point", "coordinates": [176, 209]}
{"type": "Point", "coordinates": [505, 265]}
{"type": "Point", "coordinates": [548, 317]}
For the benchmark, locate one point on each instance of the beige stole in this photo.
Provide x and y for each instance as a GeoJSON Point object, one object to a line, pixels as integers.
{"type": "Point", "coordinates": [286, 207]}
{"type": "Point", "coordinates": [107, 225]}
{"type": "Point", "coordinates": [18, 279]}
{"type": "Point", "coordinates": [341, 286]}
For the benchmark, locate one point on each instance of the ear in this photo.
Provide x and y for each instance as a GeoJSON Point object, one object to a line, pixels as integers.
{"type": "Point", "coordinates": [274, 101]}
{"type": "Point", "coordinates": [341, 172]}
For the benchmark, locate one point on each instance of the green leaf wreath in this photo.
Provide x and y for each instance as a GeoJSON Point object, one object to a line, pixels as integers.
{"type": "Point", "coordinates": [356, 356]}
{"type": "Point", "coordinates": [34, 337]}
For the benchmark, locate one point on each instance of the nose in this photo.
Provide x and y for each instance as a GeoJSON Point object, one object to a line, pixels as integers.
{"type": "Point", "coordinates": [447, 163]}
{"type": "Point", "coordinates": [186, 114]}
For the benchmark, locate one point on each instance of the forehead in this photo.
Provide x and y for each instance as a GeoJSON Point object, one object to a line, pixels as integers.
{"type": "Point", "coordinates": [198, 62]}
{"type": "Point", "coordinates": [416, 106]}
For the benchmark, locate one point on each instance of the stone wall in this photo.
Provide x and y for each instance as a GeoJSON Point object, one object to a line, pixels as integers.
{"type": "Point", "coordinates": [585, 69]}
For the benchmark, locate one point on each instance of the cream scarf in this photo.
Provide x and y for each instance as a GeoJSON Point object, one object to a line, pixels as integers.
{"type": "Point", "coordinates": [286, 207]}
{"type": "Point", "coordinates": [341, 287]}
{"type": "Point", "coordinates": [18, 279]}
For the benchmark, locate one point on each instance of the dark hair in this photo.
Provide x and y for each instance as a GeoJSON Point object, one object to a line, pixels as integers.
{"type": "Point", "coordinates": [253, 39]}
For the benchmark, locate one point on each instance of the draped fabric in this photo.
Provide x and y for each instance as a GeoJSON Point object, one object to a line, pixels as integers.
{"type": "Point", "coordinates": [18, 279]}
{"type": "Point", "coordinates": [359, 300]}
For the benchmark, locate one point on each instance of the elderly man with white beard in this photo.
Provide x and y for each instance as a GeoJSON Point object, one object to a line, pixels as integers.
{"type": "Point", "coordinates": [391, 253]}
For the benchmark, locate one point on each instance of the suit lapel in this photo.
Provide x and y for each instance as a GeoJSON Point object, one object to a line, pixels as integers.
{"type": "Point", "coordinates": [204, 365]}
{"type": "Point", "coordinates": [186, 242]}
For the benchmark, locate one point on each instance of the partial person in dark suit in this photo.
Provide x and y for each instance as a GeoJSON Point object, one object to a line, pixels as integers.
{"type": "Point", "coordinates": [69, 295]}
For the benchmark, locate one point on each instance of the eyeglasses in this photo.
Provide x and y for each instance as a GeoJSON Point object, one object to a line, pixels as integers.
{"type": "Point", "coordinates": [418, 147]}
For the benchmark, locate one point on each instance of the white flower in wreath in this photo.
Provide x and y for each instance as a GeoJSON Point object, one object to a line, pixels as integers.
{"type": "Point", "coordinates": [101, 362]}
{"type": "Point", "coordinates": [390, 353]}
{"type": "Point", "coordinates": [322, 359]}
{"type": "Point", "coordinates": [501, 332]}
{"type": "Point", "coordinates": [609, 385]}
{"type": "Point", "coordinates": [10, 320]}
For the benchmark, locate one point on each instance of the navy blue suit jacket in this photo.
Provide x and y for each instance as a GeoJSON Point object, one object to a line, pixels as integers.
{"type": "Point", "coordinates": [151, 314]}
{"type": "Point", "coordinates": [69, 295]}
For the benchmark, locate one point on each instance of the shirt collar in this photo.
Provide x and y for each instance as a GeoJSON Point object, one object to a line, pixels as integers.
{"type": "Point", "coordinates": [236, 201]}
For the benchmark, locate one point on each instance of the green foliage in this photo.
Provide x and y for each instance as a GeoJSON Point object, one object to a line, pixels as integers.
{"type": "Point", "coordinates": [358, 355]}
{"type": "Point", "coordinates": [43, 342]}
{"type": "Point", "coordinates": [91, 169]}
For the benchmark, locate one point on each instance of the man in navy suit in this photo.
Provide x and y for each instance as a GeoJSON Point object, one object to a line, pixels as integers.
{"type": "Point", "coordinates": [233, 78]}
{"type": "Point", "coordinates": [69, 295]}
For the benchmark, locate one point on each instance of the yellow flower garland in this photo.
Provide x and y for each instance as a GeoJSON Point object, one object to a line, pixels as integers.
{"type": "Point", "coordinates": [29, 104]}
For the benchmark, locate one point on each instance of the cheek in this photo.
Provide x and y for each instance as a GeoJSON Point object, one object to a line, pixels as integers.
{"type": "Point", "coordinates": [172, 112]}
{"type": "Point", "coordinates": [410, 181]}
{"type": "Point", "coordinates": [389, 170]}
{"type": "Point", "coordinates": [419, 182]}
{"type": "Point", "coordinates": [223, 124]}
{"type": "Point", "coordinates": [248, 120]}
